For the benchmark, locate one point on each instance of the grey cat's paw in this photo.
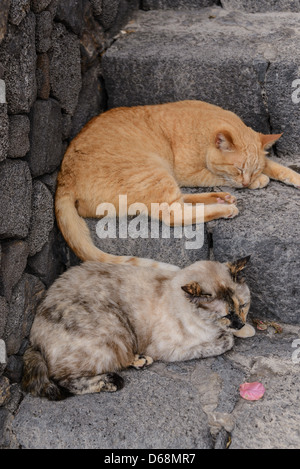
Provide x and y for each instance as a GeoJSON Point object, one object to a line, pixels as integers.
{"type": "Point", "coordinates": [141, 361]}
{"type": "Point", "coordinates": [112, 382]}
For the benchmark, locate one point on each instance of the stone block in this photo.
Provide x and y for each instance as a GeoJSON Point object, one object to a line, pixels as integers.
{"type": "Point", "coordinates": [26, 295]}
{"type": "Point", "coordinates": [70, 12]}
{"type": "Point", "coordinates": [13, 263]}
{"type": "Point", "coordinates": [91, 100]}
{"type": "Point", "coordinates": [263, 6]}
{"type": "Point", "coordinates": [45, 137]}
{"type": "Point", "coordinates": [4, 311]}
{"type": "Point", "coordinates": [179, 55]}
{"type": "Point", "coordinates": [4, 139]}
{"type": "Point", "coordinates": [266, 229]}
{"type": "Point", "coordinates": [42, 217]}
{"type": "Point", "coordinates": [65, 68]}
{"type": "Point", "coordinates": [18, 57]}
{"type": "Point", "coordinates": [4, 11]}
{"type": "Point", "coordinates": [4, 390]}
{"type": "Point", "coordinates": [43, 76]}
{"type": "Point", "coordinates": [19, 128]}
{"type": "Point", "coordinates": [97, 7]}
{"type": "Point", "coordinates": [93, 40]}
{"type": "Point", "coordinates": [177, 4]}
{"type": "Point", "coordinates": [109, 11]}
{"type": "Point", "coordinates": [18, 11]}
{"type": "Point", "coordinates": [15, 199]}
{"type": "Point", "coordinates": [43, 31]}
{"type": "Point", "coordinates": [39, 5]}
{"type": "Point", "coordinates": [160, 402]}
{"type": "Point", "coordinates": [284, 113]}
{"type": "Point", "coordinates": [46, 264]}
{"type": "Point", "coordinates": [14, 368]}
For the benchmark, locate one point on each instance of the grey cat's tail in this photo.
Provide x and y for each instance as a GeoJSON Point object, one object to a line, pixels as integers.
{"type": "Point", "coordinates": [36, 376]}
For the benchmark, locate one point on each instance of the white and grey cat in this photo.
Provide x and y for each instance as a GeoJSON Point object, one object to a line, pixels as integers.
{"type": "Point", "coordinates": [98, 318]}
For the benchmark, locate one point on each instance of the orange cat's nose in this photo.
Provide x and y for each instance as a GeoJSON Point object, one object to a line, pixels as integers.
{"type": "Point", "coordinates": [245, 184]}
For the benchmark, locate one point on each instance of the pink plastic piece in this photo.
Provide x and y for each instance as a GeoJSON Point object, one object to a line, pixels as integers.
{"type": "Point", "coordinates": [252, 391]}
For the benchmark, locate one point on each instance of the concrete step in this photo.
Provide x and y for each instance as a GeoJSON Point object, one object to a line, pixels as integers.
{"type": "Point", "coordinates": [247, 63]}
{"type": "Point", "coordinates": [251, 6]}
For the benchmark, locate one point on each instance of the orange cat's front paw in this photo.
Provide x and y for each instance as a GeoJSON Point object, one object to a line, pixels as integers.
{"type": "Point", "coordinates": [231, 211]}
{"type": "Point", "coordinates": [225, 197]}
{"type": "Point", "coordinates": [293, 180]}
{"type": "Point", "coordinates": [260, 182]}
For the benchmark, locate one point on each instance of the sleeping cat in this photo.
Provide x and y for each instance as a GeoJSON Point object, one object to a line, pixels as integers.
{"type": "Point", "coordinates": [148, 153]}
{"type": "Point", "coordinates": [98, 318]}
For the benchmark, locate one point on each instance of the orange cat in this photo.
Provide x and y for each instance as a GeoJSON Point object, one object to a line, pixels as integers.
{"type": "Point", "coordinates": [148, 153]}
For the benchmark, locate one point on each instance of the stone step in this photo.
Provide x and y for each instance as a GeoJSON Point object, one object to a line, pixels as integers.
{"type": "Point", "coordinates": [251, 6]}
{"type": "Point", "coordinates": [247, 63]}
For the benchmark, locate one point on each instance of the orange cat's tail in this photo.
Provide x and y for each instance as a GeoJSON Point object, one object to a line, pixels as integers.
{"type": "Point", "coordinates": [77, 235]}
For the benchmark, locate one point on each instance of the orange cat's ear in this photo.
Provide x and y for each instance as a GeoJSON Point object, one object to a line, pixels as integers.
{"type": "Point", "coordinates": [268, 140]}
{"type": "Point", "coordinates": [224, 141]}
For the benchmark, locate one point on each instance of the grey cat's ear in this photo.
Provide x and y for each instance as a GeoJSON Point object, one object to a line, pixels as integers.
{"type": "Point", "coordinates": [224, 141]}
{"type": "Point", "coordinates": [195, 290]}
{"type": "Point", "coordinates": [236, 266]}
{"type": "Point", "coordinates": [268, 140]}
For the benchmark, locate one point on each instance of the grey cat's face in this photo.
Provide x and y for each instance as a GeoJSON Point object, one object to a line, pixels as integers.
{"type": "Point", "coordinates": [222, 292]}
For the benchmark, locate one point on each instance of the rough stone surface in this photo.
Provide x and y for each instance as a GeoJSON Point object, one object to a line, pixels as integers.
{"type": "Point", "coordinates": [65, 70]}
{"type": "Point", "coordinates": [70, 12]}
{"type": "Point", "coordinates": [209, 46]}
{"type": "Point", "coordinates": [4, 139]}
{"type": "Point", "coordinates": [4, 309]}
{"type": "Point", "coordinates": [15, 199]}
{"type": "Point", "coordinates": [19, 127]}
{"type": "Point", "coordinates": [109, 12]}
{"type": "Point", "coordinates": [191, 405]}
{"type": "Point", "coordinates": [47, 264]}
{"type": "Point", "coordinates": [176, 419]}
{"type": "Point", "coordinates": [254, 6]}
{"type": "Point", "coordinates": [177, 4]}
{"type": "Point", "coordinates": [4, 10]}
{"type": "Point", "coordinates": [40, 5]}
{"type": "Point", "coordinates": [42, 217]}
{"type": "Point", "coordinates": [18, 56]}
{"type": "Point", "coordinates": [13, 263]}
{"type": "Point", "coordinates": [7, 439]}
{"type": "Point", "coordinates": [45, 137]}
{"type": "Point", "coordinates": [43, 31]}
{"type": "Point", "coordinates": [18, 11]}
{"type": "Point", "coordinates": [4, 390]}
{"type": "Point", "coordinates": [91, 100]}
{"type": "Point", "coordinates": [266, 229]}
{"type": "Point", "coordinates": [25, 297]}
